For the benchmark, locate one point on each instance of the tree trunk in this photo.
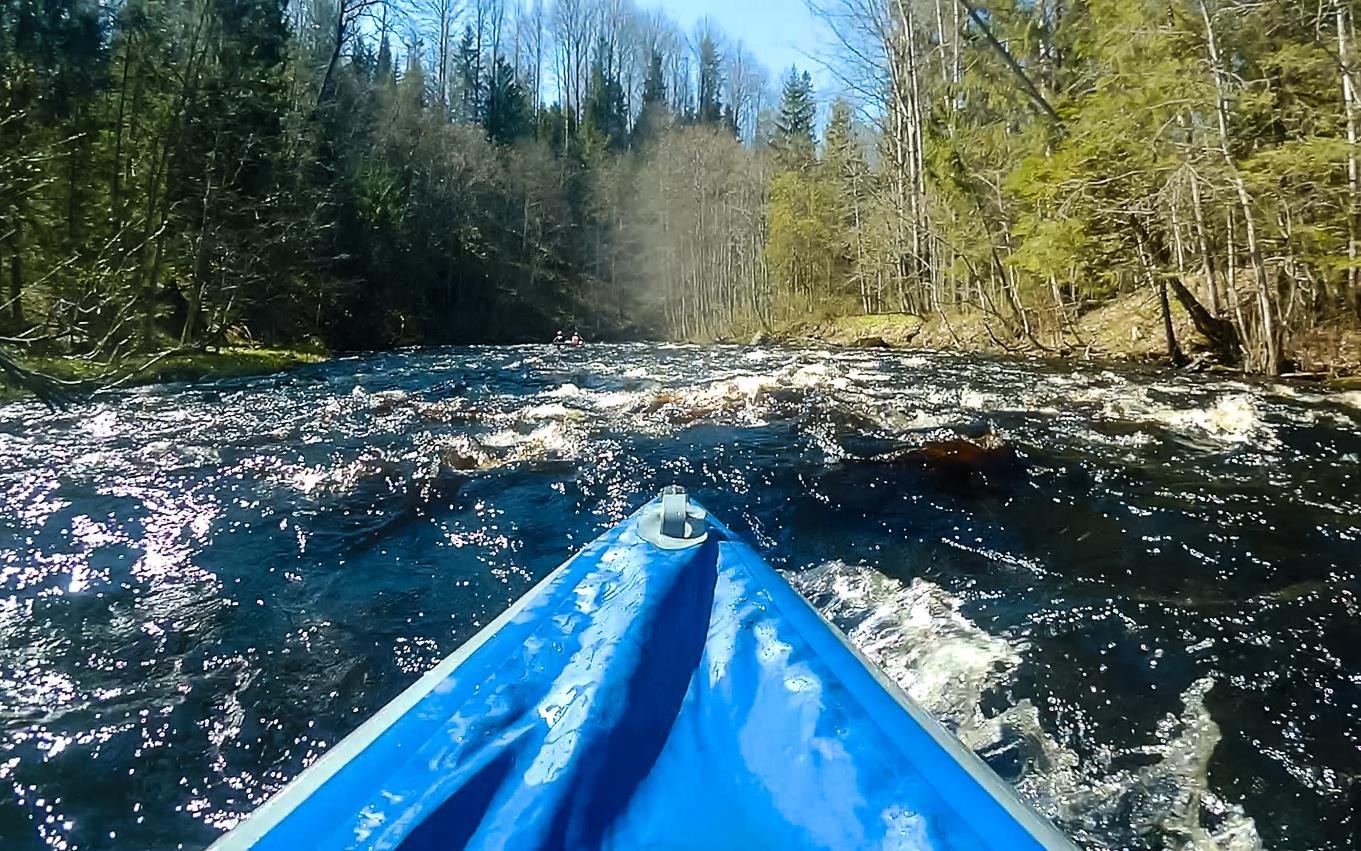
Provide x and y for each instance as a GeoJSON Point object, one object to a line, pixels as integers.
{"type": "Point", "coordinates": [336, 48]}
{"type": "Point", "coordinates": [159, 179]}
{"type": "Point", "coordinates": [1231, 280]}
{"type": "Point", "coordinates": [116, 178]}
{"type": "Point", "coordinates": [1207, 260]}
{"type": "Point", "coordinates": [1174, 352]}
{"type": "Point", "coordinates": [1148, 258]}
{"type": "Point", "coordinates": [192, 313]}
{"type": "Point", "coordinates": [1342, 12]}
{"type": "Point", "coordinates": [1027, 86]}
{"type": "Point", "coordinates": [73, 182]}
{"type": "Point", "coordinates": [1221, 334]}
{"type": "Point", "coordinates": [1266, 304]}
{"type": "Point", "coordinates": [16, 274]}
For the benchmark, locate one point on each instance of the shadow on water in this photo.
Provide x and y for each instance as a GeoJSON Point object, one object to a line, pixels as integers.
{"type": "Point", "coordinates": [1135, 595]}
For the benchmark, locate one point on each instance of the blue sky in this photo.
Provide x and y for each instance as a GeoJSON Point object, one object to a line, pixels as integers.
{"type": "Point", "coordinates": [777, 32]}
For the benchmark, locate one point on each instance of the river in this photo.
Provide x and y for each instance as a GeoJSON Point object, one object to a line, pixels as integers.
{"type": "Point", "coordinates": [1148, 620]}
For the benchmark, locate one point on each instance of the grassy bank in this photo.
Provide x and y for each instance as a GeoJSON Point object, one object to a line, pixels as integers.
{"type": "Point", "coordinates": [226, 362]}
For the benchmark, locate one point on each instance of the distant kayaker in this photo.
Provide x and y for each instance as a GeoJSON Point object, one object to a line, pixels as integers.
{"type": "Point", "coordinates": [559, 339]}
{"type": "Point", "coordinates": [576, 339]}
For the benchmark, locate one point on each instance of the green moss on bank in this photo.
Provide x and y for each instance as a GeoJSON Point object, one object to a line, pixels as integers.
{"type": "Point", "coordinates": [227, 362]}
{"type": "Point", "coordinates": [892, 329]}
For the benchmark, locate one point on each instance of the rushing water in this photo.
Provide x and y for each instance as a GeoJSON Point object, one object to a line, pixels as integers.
{"type": "Point", "coordinates": [1152, 626]}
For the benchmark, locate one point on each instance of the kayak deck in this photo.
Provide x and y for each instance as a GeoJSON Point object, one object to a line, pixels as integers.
{"type": "Point", "coordinates": [642, 697]}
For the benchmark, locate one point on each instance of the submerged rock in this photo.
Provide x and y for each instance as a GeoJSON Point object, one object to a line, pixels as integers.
{"type": "Point", "coordinates": [461, 453]}
{"type": "Point", "coordinates": [965, 465]}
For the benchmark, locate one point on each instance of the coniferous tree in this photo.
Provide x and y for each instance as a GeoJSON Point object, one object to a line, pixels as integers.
{"type": "Point", "coordinates": [793, 139]}
{"type": "Point", "coordinates": [508, 114]}
{"type": "Point", "coordinates": [654, 112]}
{"type": "Point", "coordinates": [605, 114]}
{"type": "Point", "coordinates": [470, 76]}
{"type": "Point", "coordinates": [51, 56]}
{"type": "Point", "coordinates": [654, 84]}
{"type": "Point", "coordinates": [710, 108]}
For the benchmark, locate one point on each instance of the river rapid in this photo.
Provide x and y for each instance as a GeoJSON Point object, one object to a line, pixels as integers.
{"type": "Point", "coordinates": [1148, 619]}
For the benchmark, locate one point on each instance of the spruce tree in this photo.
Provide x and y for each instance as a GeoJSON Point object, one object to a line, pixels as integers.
{"type": "Point", "coordinates": [710, 82]}
{"type": "Point", "coordinates": [470, 76]}
{"type": "Point", "coordinates": [508, 113]}
{"type": "Point", "coordinates": [655, 113]}
{"type": "Point", "coordinates": [793, 141]}
{"type": "Point", "coordinates": [606, 113]}
{"type": "Point", "coordinates": [654, 84]}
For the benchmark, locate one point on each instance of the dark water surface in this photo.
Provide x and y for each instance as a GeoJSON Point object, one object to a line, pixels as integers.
{"type": "Point", "coordinates": [1153, 629]}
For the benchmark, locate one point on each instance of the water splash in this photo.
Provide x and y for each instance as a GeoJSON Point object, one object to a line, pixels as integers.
{"type": "Point", "coordinates": [917, 634]}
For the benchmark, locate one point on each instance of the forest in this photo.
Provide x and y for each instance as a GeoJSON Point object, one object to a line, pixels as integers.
{"type": "Point", "coordinates": [376, 173]}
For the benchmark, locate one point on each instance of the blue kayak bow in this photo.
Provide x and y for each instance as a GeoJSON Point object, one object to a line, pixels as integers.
{"type": "Point", "coordinates": [665, 688]}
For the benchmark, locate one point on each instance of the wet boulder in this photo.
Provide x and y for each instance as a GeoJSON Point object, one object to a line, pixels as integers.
{"type": "Point", "coordinates": [461, 453]}
{"type": "Point", "coordinates": [450, 411]}
{"type": "Point", "coordinates": [988, 465]}
{"type": "Point", "coordinates": [870, 342]}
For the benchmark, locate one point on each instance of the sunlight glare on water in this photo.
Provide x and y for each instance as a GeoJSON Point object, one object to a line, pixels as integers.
{"type": "Point", "coordinates": [1144, 612]}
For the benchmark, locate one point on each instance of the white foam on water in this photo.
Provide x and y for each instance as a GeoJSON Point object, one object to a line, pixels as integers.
{"type": "Point", "coordinates": [747, 394]}
{"type": "Point", "coordinates": [340, 478]}
{"type": "Point", "coordinates": [1165, 797]}
{"type": "Point", "coordinates": [552, 411]}
{"type": "Point", "coordinates": [972, 399]}
{"type": "Point", "coordinates": [912, 361]}
{"type": "Point", "coordinates": [750, 386]}
{"type": "Point", "coordinates": [554, 439]}
{"type": "Point", "coordinates": [1234, 418]}
{"type": "Point", "coordinates": [738, 399]}
{"type": "Point", "coordinates": [917, 634]}
{"type": "Point", "coordinates": [615, 399]}
{"type": "Point", "coordinates": [502, 439]}
{"type": "Point", "coordinates": [812, 375]}
{"type": "Point", "coordinates": [868, 376]}
{"type": "Point", "coordinates": [915, 421]}
{"type": "Point", "coordinates": [102, 424]}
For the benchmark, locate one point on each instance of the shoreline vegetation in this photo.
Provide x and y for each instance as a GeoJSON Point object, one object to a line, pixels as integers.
{"type": "Point", "coordinates": [1125, 330]}
{"type": "Point", "coordinates": [72, 376]}
{"type": "Point", "coordinates": [1114, 177]}
{"type": "Point", "coordinates": [1128, 329]}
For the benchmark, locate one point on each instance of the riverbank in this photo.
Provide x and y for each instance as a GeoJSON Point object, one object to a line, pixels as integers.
{"type": "Point", "coordinates": [192, 366]}
{"type": "Point", "coordinates": [1127, 329]}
